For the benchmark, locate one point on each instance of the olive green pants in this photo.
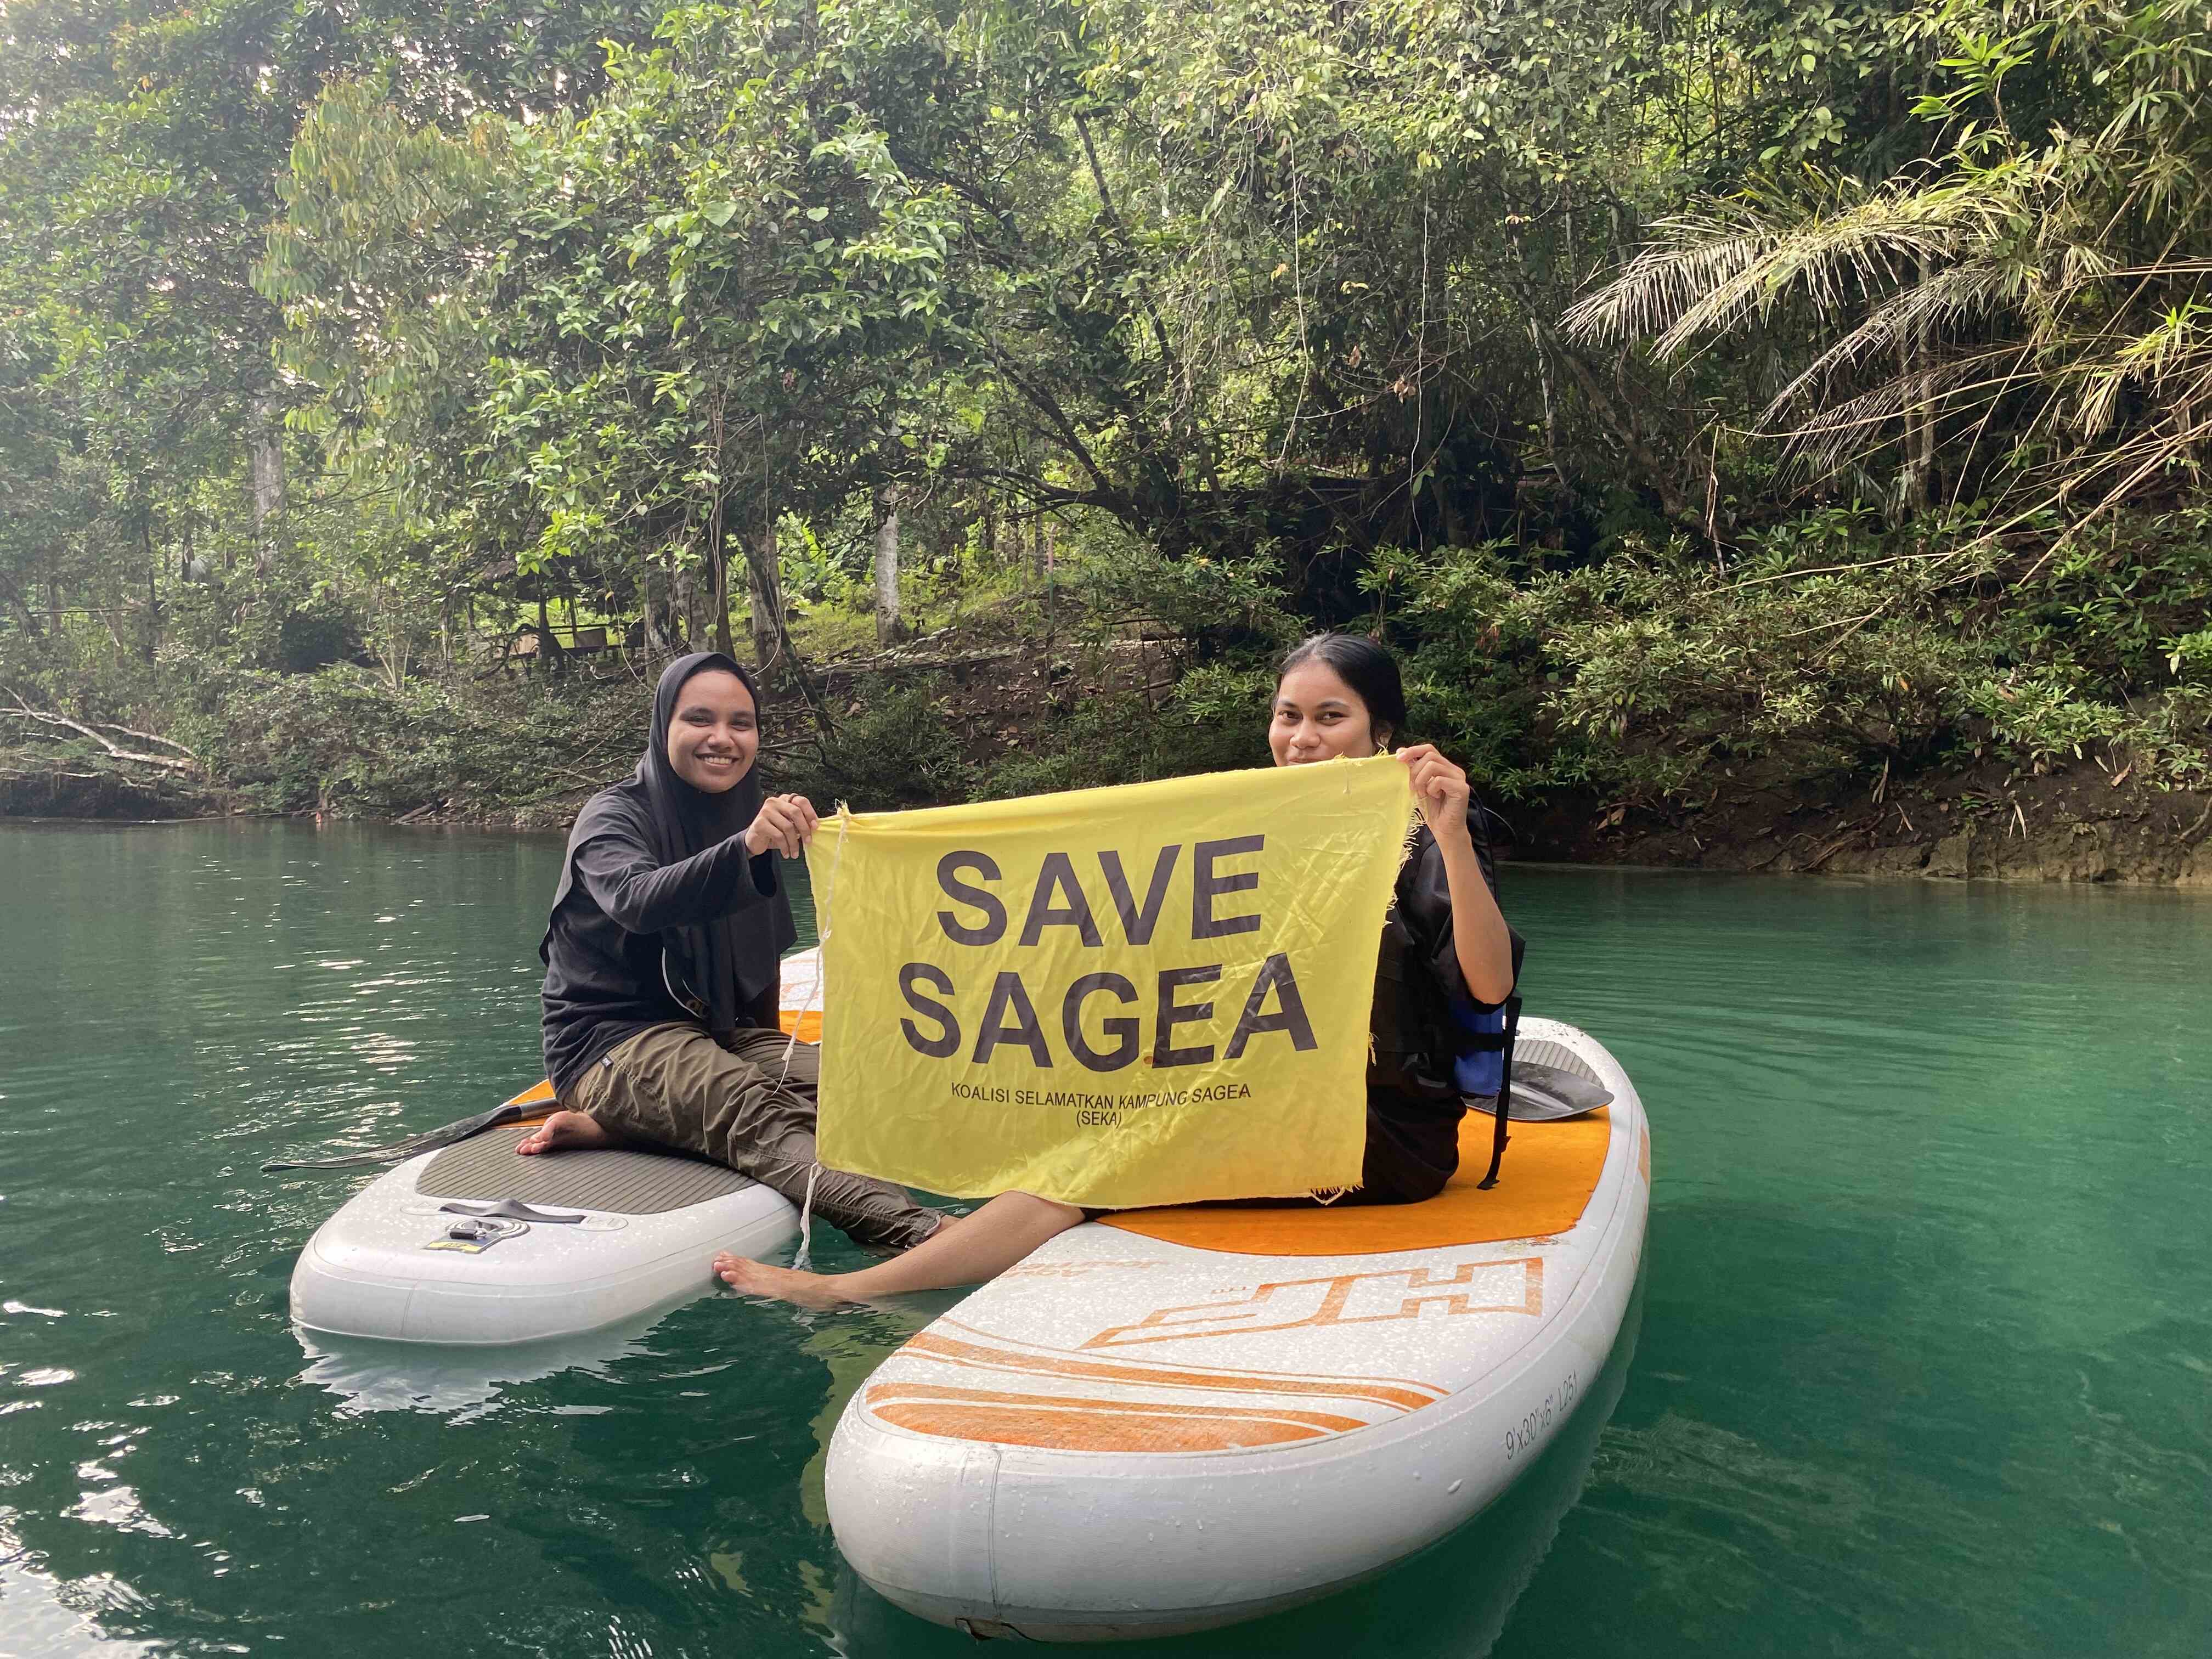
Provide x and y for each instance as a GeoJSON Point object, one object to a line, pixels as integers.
{"type": "Point", "coordinates": [742, 1106]}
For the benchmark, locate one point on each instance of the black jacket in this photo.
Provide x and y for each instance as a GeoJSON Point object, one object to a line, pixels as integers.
{"type": "Point", "coordinates": [1417, 975]}
{"type": "Point", "coordinates": [660, 913]}
{"type": "Point", "coordinates": [607, 976]}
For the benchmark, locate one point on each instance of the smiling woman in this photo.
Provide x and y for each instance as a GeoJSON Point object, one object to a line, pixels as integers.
{"type": "Point", "coordinates": [714, 738]}
{"type": "Point", "coordinates": [661, 964]}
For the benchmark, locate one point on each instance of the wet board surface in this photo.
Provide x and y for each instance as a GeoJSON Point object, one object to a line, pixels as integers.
{"type": "Point", "coordinates": [388, 1265]}
{"type": "Point", "coordinates": [628, 1231]}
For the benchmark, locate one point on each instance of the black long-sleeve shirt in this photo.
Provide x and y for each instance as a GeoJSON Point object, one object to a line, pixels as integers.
{"type": "Point", "coordinates": [604, 982]}
{"type": "Point", "coordinates": [1413, 1107]}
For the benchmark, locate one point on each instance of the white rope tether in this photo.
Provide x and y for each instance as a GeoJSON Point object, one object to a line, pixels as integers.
{"type": "Point", "coordinates": [804, 1262]}
{"type": "Point", "coordinates": [822, 905]}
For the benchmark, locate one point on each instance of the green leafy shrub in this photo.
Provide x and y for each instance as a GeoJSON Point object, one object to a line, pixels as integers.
{"type": "Point", "coordinates": [900, 750]}
{"type": "Point", "coordinates": [1830, 648]}
{"type": "Point", "coordinates": [341, 740]}
{"type": "Point", "coordinates": [1214, 721]}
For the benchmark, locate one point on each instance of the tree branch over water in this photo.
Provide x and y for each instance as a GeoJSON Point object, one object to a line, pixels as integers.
{"type": "Point", "coordinates": [45, 717]}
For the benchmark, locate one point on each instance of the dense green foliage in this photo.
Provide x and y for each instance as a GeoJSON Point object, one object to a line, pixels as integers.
{"type": "Point", "coordinates": [1785, 388]}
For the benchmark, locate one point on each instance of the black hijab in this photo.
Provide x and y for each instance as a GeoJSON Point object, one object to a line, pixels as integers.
{"type": "Point", "coordinates": [724, 965]}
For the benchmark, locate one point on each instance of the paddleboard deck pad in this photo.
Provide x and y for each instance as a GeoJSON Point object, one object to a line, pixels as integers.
{"type": "Point", "coordinates": [1174, 1419]}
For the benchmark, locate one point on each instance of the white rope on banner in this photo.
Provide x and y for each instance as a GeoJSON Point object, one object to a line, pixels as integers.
{"type": "Point", "coordinates": [804, 1262]}
{"type": "Point", "coordinates": [823, 904]}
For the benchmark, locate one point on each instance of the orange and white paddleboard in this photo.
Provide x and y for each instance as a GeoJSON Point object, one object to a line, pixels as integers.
{"type": "Point", "coordinates": [1178, 1419]}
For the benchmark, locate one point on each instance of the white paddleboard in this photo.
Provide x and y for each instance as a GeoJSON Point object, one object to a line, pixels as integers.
{"type": "Point", "coordinates": [1181, 1418]}
{"type": "Point", "coordinates": [473, 1245]}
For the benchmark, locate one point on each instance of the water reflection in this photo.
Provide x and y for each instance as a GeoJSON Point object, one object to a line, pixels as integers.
{"type": "Point", "coordinates": [41, 1617]}
{"type": "Point", "coordinates": [369, 1376]}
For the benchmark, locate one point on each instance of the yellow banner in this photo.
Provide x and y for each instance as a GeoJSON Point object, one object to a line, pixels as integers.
{"type": "Point", "coordinates": [1113, 997]}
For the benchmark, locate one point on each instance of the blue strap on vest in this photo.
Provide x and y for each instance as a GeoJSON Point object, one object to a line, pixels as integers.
{"type": "Point", "coordinates": [1498, 1135]}
{"type": "Point", "coordinates": [1478, 1045]}
{"type": "Point", "coordinates": [1482, 1049]}
{"type": "Point", "coordinates": [1482, 1063]}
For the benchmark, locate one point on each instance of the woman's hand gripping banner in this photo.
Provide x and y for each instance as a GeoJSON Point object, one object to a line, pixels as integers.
{"type": "Point", "coordinates": [1116, 997]}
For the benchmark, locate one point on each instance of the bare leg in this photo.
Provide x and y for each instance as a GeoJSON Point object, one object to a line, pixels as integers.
{"type": "Point", "coordinates": [967, 1252]}
{"type": "Point", "coordinates": [565, 1132]}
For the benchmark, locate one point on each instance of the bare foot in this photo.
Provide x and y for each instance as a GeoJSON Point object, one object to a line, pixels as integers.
{"type": "Point", "coordinates": [565, 1132]}
{"type": "Point", "coordinates": [783, 1283]}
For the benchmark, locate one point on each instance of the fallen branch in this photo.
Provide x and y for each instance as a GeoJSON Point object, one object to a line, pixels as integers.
{"type": "Point", "coordinates": [890, 662]}
{"type": "Point", "coordinates": [1851, 833]}
{"type": "Point", "coordinates": [116, 779]}
{"type": "Point", "coordinates": [586, 779]}
{"type": "Point", "coordinates": [147, 737]}
{"type": "Point", "coordinates": [24, 711]}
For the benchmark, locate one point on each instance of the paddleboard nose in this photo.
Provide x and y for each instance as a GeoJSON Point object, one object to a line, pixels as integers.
{"type": "Point", "coordinates": [917, 1528]}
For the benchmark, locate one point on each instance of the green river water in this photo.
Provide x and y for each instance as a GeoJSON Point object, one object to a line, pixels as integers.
{"type": "Point", "coordinates": [1924, 1363]}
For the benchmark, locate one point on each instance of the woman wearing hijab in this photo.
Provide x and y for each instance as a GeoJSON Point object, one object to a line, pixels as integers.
{"type": "Point", "coordinates": [661, 964]}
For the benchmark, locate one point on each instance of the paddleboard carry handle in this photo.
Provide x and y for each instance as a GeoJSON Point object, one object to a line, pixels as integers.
{"type": "Point", "coordinates": [1498, 1134]}
{"type": "Point", "coordinates": [510, 1209]}
{"type": "Point", "coordinates": [474, 1235]}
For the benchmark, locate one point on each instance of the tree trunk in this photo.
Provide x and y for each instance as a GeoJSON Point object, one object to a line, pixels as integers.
{"type": "Point", "coordinates": [651, 630]}
{"type": "Point", "coordinates": [1923, 410]}
{"type": "Point", "coordinates": [887, 564]}
{"type": "Point", "coordinates": [666, 614]}
{"type": "Point", "coordinates": [267, 462]}
{"type": "Point", "coordinates": [1622, 422]}
{"type": "Point", "coordinates": [1552, 447]}
{"type": "Point", "coordinates": [1047, 550]}
{"type": "Point", "coordinates": [767, 596]}
{"type": "Point", "coordinates": [22, 607]}
{"type": "Point", "coordinates": [549, 643]}
{"type": "Point", "coordinates": [266, 447]}
{"type": "Point", "coordinates": [691, 602]}
{"type": "Point", "coordinates": [725, 641]}
{"type": "Point", "coordinates": [153, 600]}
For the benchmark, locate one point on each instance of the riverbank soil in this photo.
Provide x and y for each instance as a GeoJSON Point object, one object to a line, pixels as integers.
{"type": "Point", "coordinates": [61, 791]}
{"type": "Point", "coordinates": [1990, 822]}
